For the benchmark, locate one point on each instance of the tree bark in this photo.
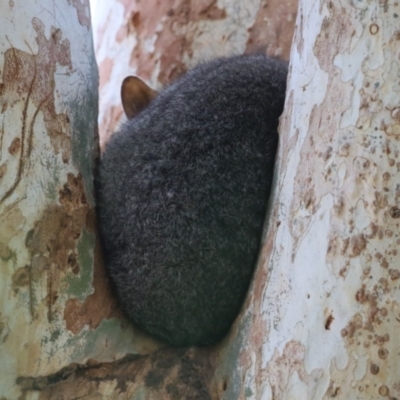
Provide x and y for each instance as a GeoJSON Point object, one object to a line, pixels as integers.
{"type": "Point", "coordinates": [52, 304]}
{"type": "Point", "coordinates": [322, 317]}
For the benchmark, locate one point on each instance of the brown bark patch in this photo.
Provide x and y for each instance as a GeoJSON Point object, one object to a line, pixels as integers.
{"type": "Point", "coordinates": [357, 244]}
{"type": "Point", "coordinates": [53, 239]}
{"type": "Point", "coordinates": [21, 277]}
{"type": "Point", "coordinates": [82, 11]}
{"type": "Point", "coordinates": [102, 303]}
{"type": "Point", "coordinates": [11, 221]}
{"type": "Point", "coordinates": [29, 78]}
{"type": "Point", "coordinates": [105, 68]}
{"type": "Point", "coordinates": [3, 170]}
{"type": "Point", "coordinates": [281, 367]}
{"type": "Point", "coordinates": [363, 328]}
{"type": "Point", "coordinates": [394, 274]}
{"type": "Point", "coordinates": [272, 31]}
{"type": "Point", "coordinates": [15, 146]}
{"type": "Point", "coordinates": [328, 322]}
{"type": "Point", "coordinates": [336, 31]}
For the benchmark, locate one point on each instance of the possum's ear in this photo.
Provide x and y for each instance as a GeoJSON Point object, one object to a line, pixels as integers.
{"type": "Point", "coordinates": [135, 96]}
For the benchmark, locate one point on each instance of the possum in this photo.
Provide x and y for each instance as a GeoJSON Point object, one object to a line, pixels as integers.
{"type": "Point", "coordinates": [182, 191]}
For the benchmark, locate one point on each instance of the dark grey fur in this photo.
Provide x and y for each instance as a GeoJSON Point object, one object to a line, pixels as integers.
{"type": "Point", "coordinates": [182, 194]}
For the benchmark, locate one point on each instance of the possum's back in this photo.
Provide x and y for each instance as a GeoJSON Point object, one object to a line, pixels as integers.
{"type": "Point", "coordinates": [182, 194]}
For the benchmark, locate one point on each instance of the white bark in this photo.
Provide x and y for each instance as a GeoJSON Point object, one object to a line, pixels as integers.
{"type": "Point", "coordinates": [323, 317]}
{"type": "Point", "coordinates": [50, 307]}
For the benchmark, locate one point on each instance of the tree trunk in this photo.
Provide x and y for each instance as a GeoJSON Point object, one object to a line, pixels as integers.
{"type": "Point", "coordinates": [52, 305]}
{"type": "Point", "coordinates": [322, 316]}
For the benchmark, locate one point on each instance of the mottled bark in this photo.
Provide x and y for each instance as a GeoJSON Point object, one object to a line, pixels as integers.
{"type": "Point", "coordinates": [322, 316]}
{"type": "Point", "coordinates": [55, 309]}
